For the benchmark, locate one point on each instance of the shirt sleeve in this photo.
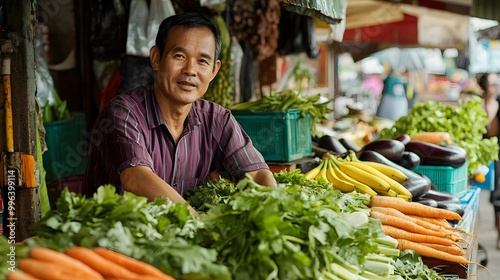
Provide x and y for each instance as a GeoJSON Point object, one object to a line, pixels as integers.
{"type": "Point", "coordinates": [124, 144]}
{"type": "Point", "coordinates": [240, 154]}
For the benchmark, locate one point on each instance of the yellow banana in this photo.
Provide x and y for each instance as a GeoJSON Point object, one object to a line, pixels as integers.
{"type": "Point", "coordinates": [311, 174]}
{"type": "Point", "coordinates": [389, 171]}
{"type": "Point", "coordinates": [322, 172]}
{"type": "Point", "coordinates": [389, 193]}
{"type": "Point", "coordinates": [359, 186]}
{"type": "Point", "coordinates": [374, 182]}
{"type": "Point", "coordinates": [393, 184]}
{"type": "Point", "coordinates": [338, 183]}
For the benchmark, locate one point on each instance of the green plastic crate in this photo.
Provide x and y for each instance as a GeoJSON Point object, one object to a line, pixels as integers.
{"type": "Point", "coordinates": [279, 136]}
{"type": "Point", "coordinates": [67, 146]}
{"type": "Point", "coordinates": [446, 178]}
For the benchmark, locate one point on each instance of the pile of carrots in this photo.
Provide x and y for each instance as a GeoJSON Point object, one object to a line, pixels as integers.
{"type": "Point", "coordinates": [420, 228]}
{"type": "Point", "coordinates": [83, 263]}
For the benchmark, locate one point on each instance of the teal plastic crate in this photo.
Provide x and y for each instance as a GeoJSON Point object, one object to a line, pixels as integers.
{"type": "Point", "coordinates": [279, 136]}
{"type": "Point", "coordinates": [446, 178]}
{"type": "Point", "coordinates": [67, 146]}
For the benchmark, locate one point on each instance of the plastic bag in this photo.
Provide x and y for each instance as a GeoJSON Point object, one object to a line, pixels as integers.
{"type": "Point", "coordinates": [143, 24]}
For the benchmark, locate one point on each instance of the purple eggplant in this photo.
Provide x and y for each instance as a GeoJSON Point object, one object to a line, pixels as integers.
{"type": "Point", "coordinates": [332, 144]}
{"type": "Point", "coordinates": [404, 138]}
{"type": "Point", "coordinates": [428, 202]}
{"type": "Point", "coordinates": [418, 187]}
{"type": "Point", "coordinates": [349, 145]}
{"type": "Point", "coordinates": [409, 160]}
{"type": "Point", "coordinates": [389, 148]}
{"type": "Point", "coordinates": [431, 154]}
{"type": "Point", "coordinates": [377, 157]}
{"type": "Point", "coordinates": [440, 196]}
{"type": "Point", "coordinates": [450, 206]}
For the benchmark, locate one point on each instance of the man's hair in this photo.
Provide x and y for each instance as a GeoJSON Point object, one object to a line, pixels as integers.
{"type": "Point", "coordinates": [187, 20]}
{"type": "Point", "coordinates": [482, 81]}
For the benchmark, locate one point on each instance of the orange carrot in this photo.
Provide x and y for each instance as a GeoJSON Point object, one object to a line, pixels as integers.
{"type": "Point", "coordinates": [425, 251]}
{"type": "Point", "coordinates": [42, 270]}
{"type": "Point", "coordinates": [417, 220]}
{"type": "Point", "coordinates": [105, 267]}
{"type": "Point", "coordinates": [140, 277]}
{"type": "Point", "coordinates": [437, 221]}
{"type": "Point", "coordinates": [413, 208]}
{"type": "Point", "coordinates": [454, 250]}
{"type": "Point", "coordinates": [72, 265]}
{"type": "Point", "coordinates": [136, 266]}
{"type": "Point", "coordinates": [433, 137]}
{"type": "Point", "coordinates": [398, 233]}
{"type": "Point", "coordinates": [405, 224]}
{"type": "Point", "coordinates": [19, 275]}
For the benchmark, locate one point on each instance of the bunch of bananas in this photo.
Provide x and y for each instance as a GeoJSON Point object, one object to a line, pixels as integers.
{"type": "Point", "coordinates": [352, 175]}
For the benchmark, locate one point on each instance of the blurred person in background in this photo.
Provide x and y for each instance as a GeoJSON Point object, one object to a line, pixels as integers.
{"type": "Point", "coordinates": [489, 83]}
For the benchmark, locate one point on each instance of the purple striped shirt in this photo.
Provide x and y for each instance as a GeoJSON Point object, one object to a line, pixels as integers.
{"type": "Point", "coordinates": [131, 131]}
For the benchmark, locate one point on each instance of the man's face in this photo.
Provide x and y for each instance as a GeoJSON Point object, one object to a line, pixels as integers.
{"type": "Point", "coordinates": [187, 65]}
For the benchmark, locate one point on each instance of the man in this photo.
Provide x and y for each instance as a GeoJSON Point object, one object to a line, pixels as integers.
{"type": "Point", "coordinates": [162, 139]}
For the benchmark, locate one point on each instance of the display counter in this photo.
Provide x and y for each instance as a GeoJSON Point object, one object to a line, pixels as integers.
{"type": "Point", "coordinates": [469, 223]}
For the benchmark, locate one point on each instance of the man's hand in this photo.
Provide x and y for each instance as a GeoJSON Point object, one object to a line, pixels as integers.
{"type": "Point", "coordinates": [263, 177]}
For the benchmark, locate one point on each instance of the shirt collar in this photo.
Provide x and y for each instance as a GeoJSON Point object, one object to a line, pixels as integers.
{"type": "Point", "coordinates": [154, 116]}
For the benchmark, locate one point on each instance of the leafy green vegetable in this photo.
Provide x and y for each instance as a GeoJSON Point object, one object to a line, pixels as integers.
{"type": "Point", "coordinates": [160, 232]}
{"type": "Point", "coordinates": [288, 232]}
{"type": "Point", "coordinates": [211, 192]}
{"type": "Point", "coordinates": [409, 265]}
{"type": "Point", "coordinates": [289, 99]}
{"type": "Point", "coordinates": [466, 124]}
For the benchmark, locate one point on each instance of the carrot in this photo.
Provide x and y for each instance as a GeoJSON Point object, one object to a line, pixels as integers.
{"type": "Point", "coordinates": [397, 233]}
{"type": "Point", "coordinates": [19, 275]}
{"type": "Point", "coordinates": [413, 208]}
{"type": "Point", "coordinates": [140, 277]}
{"type": "Point", "coordinates": [136, 266]}
{"type": "Point", "coordinates": [72, 265]}
{"type": "Point", "coordinates": [454, 250]}
{"type": "Point", "coordinates": [437, 221]}
{"type": "Point", "coordinates": [105, 267]}
{"type": "Point", "coordinates": [425, 251]}
{"type": "Point", "coordinates": [405, 224]}
{"type": "Point", "coordinates": [42, 270]}
{"type": "Point", "coordinates": [417, 220]}
{"type": "Point", "coordinates": [433, 137]}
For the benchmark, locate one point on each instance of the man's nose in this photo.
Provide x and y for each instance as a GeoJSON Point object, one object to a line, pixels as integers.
{"type": "Point", "coordinates": [190, 67]}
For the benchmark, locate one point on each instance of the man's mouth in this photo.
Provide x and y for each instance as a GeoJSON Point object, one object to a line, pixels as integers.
{"type": "Point", "coordinates": [184, 83]}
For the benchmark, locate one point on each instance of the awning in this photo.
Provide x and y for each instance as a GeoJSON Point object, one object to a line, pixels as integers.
{"type": "Point", "coordinates": [404, 25]}
{"type": "Point", "coordinates": [328, 11]}
{"type": "Point", "coordinates": [486, 9]}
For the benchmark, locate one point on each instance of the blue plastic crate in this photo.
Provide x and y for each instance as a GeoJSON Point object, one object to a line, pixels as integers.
{"type": "Point", "coordinates": [447, 178]}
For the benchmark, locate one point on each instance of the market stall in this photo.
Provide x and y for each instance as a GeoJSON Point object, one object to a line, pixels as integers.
{"type": "Point", "coordinates": [326, 219]}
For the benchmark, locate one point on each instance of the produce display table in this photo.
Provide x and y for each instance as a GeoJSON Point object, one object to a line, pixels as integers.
{"type": "Point", "coordinates": [469, 223]}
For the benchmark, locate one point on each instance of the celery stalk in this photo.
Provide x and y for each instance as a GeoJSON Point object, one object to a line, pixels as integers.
{"type": "Point", "coordinates": [379, 268]}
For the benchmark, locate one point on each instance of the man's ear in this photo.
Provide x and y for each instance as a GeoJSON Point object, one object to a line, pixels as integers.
{"type": "Point", "coordinates": [216, 69]}
{"type": "Point", "coordinates": [154, 58]}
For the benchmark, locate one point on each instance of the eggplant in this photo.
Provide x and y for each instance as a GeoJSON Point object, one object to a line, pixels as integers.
{"type": "Point", "coordinates": [409, 160]}
{"type": "Point", "coordinates": [442, 196]}
{"type": "Point", "coordinates": [389, 148]}
{"type": "Point", "coordinates": [332, 144]}
{"type": "Point", "coordinates": [450, 206]}
{"type": "Point", "coordinates": [431, 154]}
{"type": "Point", "coordinates": [404, 138]}
{"type": "Point", "coordinates": [349, 145]}
{"type": "Point", "coordinates": [418, 187]}
{"type": "Point", "coordinates": [377, 157]}
{"type": "Point", "coordinates": [428, 202]}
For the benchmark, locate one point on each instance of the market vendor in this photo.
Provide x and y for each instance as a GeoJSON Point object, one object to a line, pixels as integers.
{"type": "Point", "coordinates": [162, 139]}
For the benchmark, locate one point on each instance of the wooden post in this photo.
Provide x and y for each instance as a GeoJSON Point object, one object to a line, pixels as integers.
{"type": "Point", "coordinates": [21, 32]}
